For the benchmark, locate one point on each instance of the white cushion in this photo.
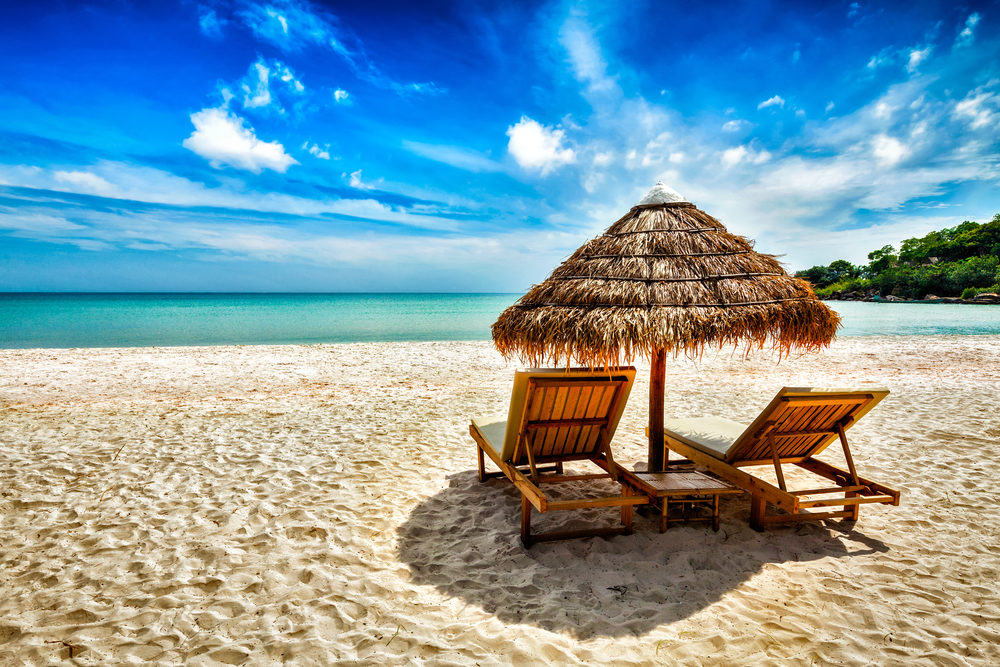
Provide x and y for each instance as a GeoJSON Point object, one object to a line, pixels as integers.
{"type": "Point", "coordinates": [492, 429]}
{"type": "Point", "coordinates": [712, 435]}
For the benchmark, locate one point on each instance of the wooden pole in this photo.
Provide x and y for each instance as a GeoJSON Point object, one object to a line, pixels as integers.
{"type": "Point", "coordinates": [657, 381]}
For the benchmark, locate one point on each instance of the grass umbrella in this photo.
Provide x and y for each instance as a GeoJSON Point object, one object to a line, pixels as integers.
{"type": "Point", "coordinates": [666, 278]}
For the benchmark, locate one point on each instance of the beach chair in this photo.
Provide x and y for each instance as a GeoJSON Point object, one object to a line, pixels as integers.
{"type": "Point", "coordinates": [798, 424]}
{"type": "Point", "coordinates": [556, 416]}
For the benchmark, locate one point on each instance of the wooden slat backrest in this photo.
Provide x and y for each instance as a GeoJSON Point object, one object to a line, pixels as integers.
{"type": "Point", "coordinates": [803, 423]}
{"type": "Point", "coordinates": [565, 417]}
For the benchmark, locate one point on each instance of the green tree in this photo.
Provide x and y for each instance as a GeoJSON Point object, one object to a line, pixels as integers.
{"type": "Point", "coordinates": [880, 261]}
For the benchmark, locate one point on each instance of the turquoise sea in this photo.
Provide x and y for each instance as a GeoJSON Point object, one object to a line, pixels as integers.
{"type": "Point", "coordinates": [138, 320]}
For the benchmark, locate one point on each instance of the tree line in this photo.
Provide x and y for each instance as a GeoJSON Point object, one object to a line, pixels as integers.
{"type": "Point", "coordinates": [960, 261]}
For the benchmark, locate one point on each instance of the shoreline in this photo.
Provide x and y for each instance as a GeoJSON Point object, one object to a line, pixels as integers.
{"type": "Point", "coordinates": [992, 300]}
{"type": "Point", "coordinates": [319, 503]}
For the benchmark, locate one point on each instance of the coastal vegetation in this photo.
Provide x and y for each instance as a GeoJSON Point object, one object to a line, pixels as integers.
{"type": "Point", "coordinates": [961, 261]}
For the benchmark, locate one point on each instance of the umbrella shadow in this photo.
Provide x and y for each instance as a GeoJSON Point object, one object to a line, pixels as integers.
{"type": "Point", "coordinates": [464, 541]}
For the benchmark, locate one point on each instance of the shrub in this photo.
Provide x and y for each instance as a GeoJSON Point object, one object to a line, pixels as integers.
{"type": "Point", "coordinates": [971, 292]}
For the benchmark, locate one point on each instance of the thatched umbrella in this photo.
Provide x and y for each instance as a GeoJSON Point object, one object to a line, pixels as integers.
{"type": "Point", "coordinates": [666, 278]}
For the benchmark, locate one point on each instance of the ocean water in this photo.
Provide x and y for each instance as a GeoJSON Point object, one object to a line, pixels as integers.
{"type": "Point", "coordinates": [138, 320]}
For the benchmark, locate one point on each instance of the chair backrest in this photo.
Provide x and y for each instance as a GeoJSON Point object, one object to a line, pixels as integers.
{"type": "Point", "coordinates": [563, 412]}
{"type": "Point", "coordinates": [804, 422]}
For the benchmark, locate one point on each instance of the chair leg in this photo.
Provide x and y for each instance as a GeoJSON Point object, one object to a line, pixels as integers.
{"type": "Point", "coordinates": [525, 522]}
{"type": "Point", "coordinates": [626, 512]}
{"type": "Point", "coordinates": [758, 504]}
{"type": "Point", "coordinates": [855, 510]}
{"type": "Point", "coordinates": [482, 464]}
{"type": "Point", "coordinates": [559, 468]}
{"type": "Point", "coordinates": [715, 512]}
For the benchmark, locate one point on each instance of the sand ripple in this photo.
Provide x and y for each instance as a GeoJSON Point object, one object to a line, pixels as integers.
{"type": "Point", "coordinates": [313, 504]}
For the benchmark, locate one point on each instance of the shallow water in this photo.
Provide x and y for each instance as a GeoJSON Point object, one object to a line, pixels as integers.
{"type": "Point", "coordinates": [141, 320]}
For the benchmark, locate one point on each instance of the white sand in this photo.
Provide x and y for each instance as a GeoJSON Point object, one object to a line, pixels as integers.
{"type": "Point", "coordinates": [316, 504]}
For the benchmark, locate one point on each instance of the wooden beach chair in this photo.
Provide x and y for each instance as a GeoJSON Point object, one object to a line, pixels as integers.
{"type": "Point", "coordinates": [555, 416]}
{"type": "Point", "coordinates": [798, 424]}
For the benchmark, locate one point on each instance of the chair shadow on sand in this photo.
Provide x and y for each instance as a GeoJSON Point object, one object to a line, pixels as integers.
{"type": "Point", "coordinates": [464, 541]}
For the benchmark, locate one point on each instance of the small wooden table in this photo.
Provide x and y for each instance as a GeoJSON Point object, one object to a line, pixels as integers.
{"type": "Point", "coordinates": [686, 486]}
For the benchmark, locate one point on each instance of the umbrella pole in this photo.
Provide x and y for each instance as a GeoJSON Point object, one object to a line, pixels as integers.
{"type": "Point", "coordinates": [657, 381]}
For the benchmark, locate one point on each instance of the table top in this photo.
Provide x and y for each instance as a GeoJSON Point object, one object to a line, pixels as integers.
{"type": "Point", "coordinates": [688, 482]}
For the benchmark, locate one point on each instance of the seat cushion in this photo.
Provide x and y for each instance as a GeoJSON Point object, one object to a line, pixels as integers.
{"type": "Point", "coordinates": [492, 429]}
{"type": "Point", "coordinates": [712, 435]}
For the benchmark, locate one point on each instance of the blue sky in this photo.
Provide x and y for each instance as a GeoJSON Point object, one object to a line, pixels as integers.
{"type": "Point", "coordinates": [296, 146]}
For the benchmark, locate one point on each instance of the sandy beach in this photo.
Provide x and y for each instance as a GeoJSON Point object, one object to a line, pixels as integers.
{"type": "Point", "coordinates": [318, 504]}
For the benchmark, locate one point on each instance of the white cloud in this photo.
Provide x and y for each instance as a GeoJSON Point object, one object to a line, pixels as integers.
{"type": "Point", "coordinates": [456, 156]}
{"type": "Point", "coordinates": [735, 125]}
{"type": "Point", "coordinates": [285, 74]}
{"type": "Point", "coordinates": [916, 57]}
{"type": "Point", "coordinates": [585, 55]}
{"type": "Point", "coordinates": [981, 107]}
{"type": "Point", "coordinates": [145, 184]}
{"type": "Point", "coordinates": [223, 138]}
{"type": "Point", "coordinates": [292, 26]}
{"type": "Point", "coordinates": [315, 150]}
{"type": "Point", "coordinates": [209, 22]}
{"type": "Point", "coordinates": [887, 150]}
{"type": "Point", "coordinates": [603, 159]}
{"type": "Point", "coordinates": [84, 181]}
{"type": "Point", "coordinates": [882, 110]}
{"type": "Point", "coordinates": [677, 157]}
{"type": "Point", "coordinates": [286, 25]}
{"type": "Point", "coordinates": [829, 107]}
{"type": "Point", "coordinates": [356, 182]}
{"type": "Point", "coordinates": [256, 91]}
{"type": "Point", "coordinates": [341, 96]}
{"type": "Point", "coordinates": [775, 101]}
{"type": "Point", "coordinates": [535, 146]}
{"type": "Point", "coordinates": [257, 85]}
{"type": "Point", "coordinates": [879, 59]}
{"type": "Point", "coordinates": [968, 33]}
{"type": "Point", "coordinates": [734, 156]}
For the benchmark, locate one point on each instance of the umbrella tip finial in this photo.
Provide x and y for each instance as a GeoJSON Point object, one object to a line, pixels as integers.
{"type": "Point", "coordinates": [661, 194]}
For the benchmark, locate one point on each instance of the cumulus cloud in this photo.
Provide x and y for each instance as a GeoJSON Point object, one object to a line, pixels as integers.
{"type": "Point", "coordinates": [535, 146]}
{"type": "Point", "coordinates": [775, 101]}
{"type": "Point", "coordinates": [887, 150]}
{"type": "Point", "coordinates": [224, 138]}
{"type": "Point", "coordinates": [734, 156]}
{"type": "Point", "coordinates": [341, 96]}
{"type": "Point", "coordinates": [735, 125]}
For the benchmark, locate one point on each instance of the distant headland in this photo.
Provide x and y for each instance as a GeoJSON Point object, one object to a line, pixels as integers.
{"type": "Point", "coordinates": [960, 264]}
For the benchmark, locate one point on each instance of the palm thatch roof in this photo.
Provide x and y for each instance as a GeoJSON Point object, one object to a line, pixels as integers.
{"type": "Point", "coordinates": [666, 276]}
